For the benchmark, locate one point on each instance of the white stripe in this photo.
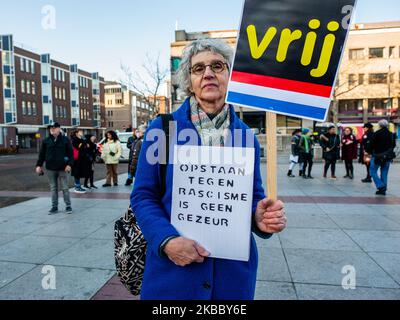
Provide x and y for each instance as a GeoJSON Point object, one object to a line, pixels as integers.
{"type": "Point", "coordinates": [282, 95]}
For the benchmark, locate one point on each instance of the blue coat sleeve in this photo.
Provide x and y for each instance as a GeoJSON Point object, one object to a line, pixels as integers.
{"type": "Point", "coordinates": [146, 199]}
{"type": "Point", "coordinates": [258, 190]}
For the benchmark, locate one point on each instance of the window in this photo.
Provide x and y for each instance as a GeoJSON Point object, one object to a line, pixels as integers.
{"type": "Point", "coordinates": [350, 107]}
{"type": "Point", "coordinates": [64, 94]}
{"type": "Point", "coordinates": [375, 53]}
{"type": "Point", "coordinates": [24, 108]}
{"type": "Point", "coordinates": [27, 63]}
{"type": "Point", "coordinates": [45, 99]}
{"type": "Point", "coordinates": [32, 67]}
{"type": "Point", "coordinates": [22, 64]}
{"type": "Point", "coordinates": [391, 52]}
{"type": "Point", "coordinates": [56, 92]}
{"type": "Point", "coordinates": [34, 109]}
{"type": "Point", "coordinates": [391, 78]}
{"type": "Point", "coordinates": [28, 87]}
{"type": "Point", "coordinates": [23, 86]}
{"type": "Point", "coordinates": [29, 108]}
{"type": "Point", "coordinates": [33, 87]}
{"type": "Point", "coordinates": [355, 54]}
{"type": "Point", "coordinates": [63, 76]}
{"type": "Point", "coordinates": [361, 78]}
{"type": "Point", "coordinates": [352, 80]}
{"type": "Point", "coordinates": [65, 112]}
{"type": "Point", "coordinates": [57, 112]}
{"type": "Point", "coordinates": [55, 74]}
{"type": "Point", "coordinates": [379, 107]}
{"type": "Point", "coordinates": [376, 78]}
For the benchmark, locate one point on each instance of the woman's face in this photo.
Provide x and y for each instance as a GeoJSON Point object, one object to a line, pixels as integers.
{"type": "Point", "coordinates": [93, 139]}
{"type": "Point", "coordinates": [109, 136]}
{"type": "Point", "coordinates": [347, 131]}
{"type": "Point", "coordinates": [209, 86]}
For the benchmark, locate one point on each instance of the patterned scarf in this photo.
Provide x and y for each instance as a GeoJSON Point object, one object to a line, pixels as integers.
{"type": "Point", "coordinates": [212, 132]}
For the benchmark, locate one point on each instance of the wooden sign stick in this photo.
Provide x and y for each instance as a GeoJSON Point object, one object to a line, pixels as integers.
{"type": "Point", "coordinates": [272, 181]}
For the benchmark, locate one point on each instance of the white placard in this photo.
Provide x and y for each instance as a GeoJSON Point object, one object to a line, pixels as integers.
{"type": "Point", "coordinates": [212, 198]}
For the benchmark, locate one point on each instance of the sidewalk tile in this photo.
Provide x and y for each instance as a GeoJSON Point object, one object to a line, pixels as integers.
{"type": "Point", "coordinates": [364, 222]}
{"type": "Point", "coordinates": [9, 271]}
{"type": "Point", "coordinates": [322, 292]}
{"type": "Point", "coordinates": [88, 253]}
{"type": "Point", "coordinates": [71, 284]}
{"type": "Point", "coordinates": [34, 249]}
{"type": "Point", "coordinates": [325, 267]}
{"type": "Point", "coordinates": [380, 241]}
{"type": "Point", "coordinates": [321, 239]}
{"type": "Point", "coordinates": [390, 262]}
{"type": "Point", "coordinates": [267, 290]}
{"type": "Point", "coordinates": [272, 265]}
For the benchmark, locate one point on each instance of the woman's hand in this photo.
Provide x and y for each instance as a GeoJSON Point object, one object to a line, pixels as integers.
{"type": "Point", "coordinates": [270, 216]}
{"type": "Point", "coordinates": [184, 251]}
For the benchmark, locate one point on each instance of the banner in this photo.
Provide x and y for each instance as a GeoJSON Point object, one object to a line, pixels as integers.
{"type": "Point", "coordinates": [288, 55]}
{"type": "Point", "coordinates": [212, 198]}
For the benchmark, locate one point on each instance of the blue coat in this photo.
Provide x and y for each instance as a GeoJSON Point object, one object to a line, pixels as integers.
{"type": "Point", "coordinates": [214, 279]}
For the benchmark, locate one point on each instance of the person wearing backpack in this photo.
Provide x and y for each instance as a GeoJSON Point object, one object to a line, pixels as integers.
{"type": "Point", "coordinates": [381, 147]}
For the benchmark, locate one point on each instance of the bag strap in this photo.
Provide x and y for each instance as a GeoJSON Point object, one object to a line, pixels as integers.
{"type": "Point", "coordinates": [166, 118]}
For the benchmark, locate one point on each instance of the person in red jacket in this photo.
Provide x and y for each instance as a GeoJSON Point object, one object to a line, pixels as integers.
{"type": "Point", "coordinates": [349, 151]}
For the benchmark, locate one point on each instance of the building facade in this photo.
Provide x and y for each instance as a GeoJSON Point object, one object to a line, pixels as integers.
{"type": "Point", "coordinates": [36, 91]}
{"type": "Point", "coordinates": [368, 86]}
{"type": "Point", "coordinates": [123, 108]}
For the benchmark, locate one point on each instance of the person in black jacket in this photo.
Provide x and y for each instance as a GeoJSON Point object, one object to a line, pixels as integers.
{"type": "Point", "coordinates": [294, 156]}
{"type": "Point", "coordinates": [364, 157]}
{"type": "Point", "coordinates": [90, 154]}
{"type": "Point", "coordinates": [79, 169]}
{"type": "Point", "coordinates": [129, 143]}
{"type": "Point", "coordinates": [135, 151]}
{"type": "Point", "coordinates": [330, 143]}
{"type": "Point", "coordinates": [56, 151]}
{"type": "Point", "coordinates": [381, 148]}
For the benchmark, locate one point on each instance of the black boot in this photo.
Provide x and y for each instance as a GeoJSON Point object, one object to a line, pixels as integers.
{"type": "Point", "coordinates": [381, 191]}
{"type": "Point", "coordinates": [300, 173]}
{"type": "Point", "coordinates": [128, 182]}
{"type": "Point", "coordinates": [289, 174]}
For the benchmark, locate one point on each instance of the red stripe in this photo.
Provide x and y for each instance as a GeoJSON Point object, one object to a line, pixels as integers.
{"type": "Point", "coordinates": [283, 84]}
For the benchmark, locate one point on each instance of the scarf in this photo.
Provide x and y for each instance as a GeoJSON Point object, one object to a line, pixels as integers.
{"type": "Point", "coordinates": [212, 132]}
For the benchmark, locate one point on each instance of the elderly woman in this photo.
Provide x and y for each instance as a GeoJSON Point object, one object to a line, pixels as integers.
{"type": "Point", "coordinates": [177, 267]}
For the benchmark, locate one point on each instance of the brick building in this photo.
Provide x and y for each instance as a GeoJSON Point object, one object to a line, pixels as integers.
{"type": "Point", "coordinates": [124, 107]}
{"type": "Point", "coordinates": [36, 91]}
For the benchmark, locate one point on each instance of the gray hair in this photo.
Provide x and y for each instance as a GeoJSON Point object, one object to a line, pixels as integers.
{"type": "Point", "coordinates": [383, 123]}
{"type": "Point", "coordinates": [214, 45]}
{"type": "Point", "coordinates": [142, 128]}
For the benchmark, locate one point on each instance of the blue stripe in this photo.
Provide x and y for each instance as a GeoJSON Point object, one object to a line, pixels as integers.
{"type": "Point", "coordinates": [295, 109]}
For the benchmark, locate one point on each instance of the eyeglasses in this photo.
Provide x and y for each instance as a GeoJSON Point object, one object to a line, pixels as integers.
{"type": "Point", "coordinates": [216, 67]}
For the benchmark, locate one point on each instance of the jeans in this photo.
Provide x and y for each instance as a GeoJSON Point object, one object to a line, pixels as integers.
{"type": "Point", "coordinates": [382, 181]}
{"type": "Point", "coordinates": [77, 182]}
{"type": "Point", "coordinates": [53, 177]}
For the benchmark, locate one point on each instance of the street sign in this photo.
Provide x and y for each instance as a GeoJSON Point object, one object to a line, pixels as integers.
{"type": "Point", "coordinates": [212, 198]}
{"type": "Point", "coordinates": [288, 55]}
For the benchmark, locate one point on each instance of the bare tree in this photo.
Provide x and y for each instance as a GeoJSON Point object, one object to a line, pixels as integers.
{"type": "Point", "coordinates": [147, 81]}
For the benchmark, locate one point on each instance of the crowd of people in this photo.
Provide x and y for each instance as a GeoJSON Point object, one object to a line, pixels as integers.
{"type": "Point", "coordinates": [77, 155]}
{"type": "Point", "coordinates": [375, 150]}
